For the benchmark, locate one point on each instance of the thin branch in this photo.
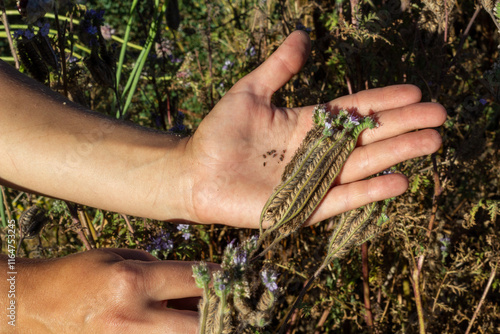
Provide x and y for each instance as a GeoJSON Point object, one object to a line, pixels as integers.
{"type": "Point", "coordinates": [127, 221]}
{"type": "Point", "coordinates": [7, 31]}
{"type": "Point", "coordinates": [417, 269]}
{"type": "Point", "coordinates": [464, 36]}
{"type": "Point", "coordinates": [483, 297]}
{"type": "Point", "coordinates": [74, 216]}
{"type": "Point", "coordinates": [366, 287]}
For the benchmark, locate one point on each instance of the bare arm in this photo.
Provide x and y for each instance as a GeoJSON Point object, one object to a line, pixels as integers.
{"type": "Point", "coordinates": [51, 146]}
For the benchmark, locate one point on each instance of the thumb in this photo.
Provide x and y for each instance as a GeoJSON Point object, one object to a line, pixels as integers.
{"type": "Point", "coordinates": [279, 68]}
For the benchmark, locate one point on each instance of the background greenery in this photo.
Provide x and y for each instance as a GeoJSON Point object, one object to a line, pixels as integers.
{"type": "Point", "coordinates": [436, 264]}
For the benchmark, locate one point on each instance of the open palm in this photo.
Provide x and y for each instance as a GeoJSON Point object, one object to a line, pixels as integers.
{"type": "Point", "coordinates": [234, 173]}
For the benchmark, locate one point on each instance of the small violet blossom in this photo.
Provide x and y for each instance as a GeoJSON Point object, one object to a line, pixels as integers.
{"type": "Point", "coordinates": [353, 119]}
{"type": "Point", "coordinates": [300, 26]}
{"type": "Point", "coordinates": [162, 242]}
{"type": "Point", "coordinates": [92, 30]}
{"type": "Point", "coordinates": [251, 51]}
{"type": "Point", "coordinates": [227, 65]}
{"type": "Point", "coordinates": [221, 282]}
{"type": "Point", "coordinates": [184, 228]}
{"type": "Point", "coordinates": [445, 243]}
{"type": "Point", "coordinates": [240, 258]}
{"type": "Point", "coordinates": [269, 280]}
{"type": "Point", "coordinates": [44, 30]}
{"type": "Point", "coordinates": [29, 34]}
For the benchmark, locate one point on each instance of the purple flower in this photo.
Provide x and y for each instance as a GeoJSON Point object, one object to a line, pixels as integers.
{"type": "Point", "coordinates": [92, 30]}
{"type": "Point", "coordinates": [227, 65]}
{"type": "Point", "coordinates": [251, 51]}
{"type": "Point", "coordinates": [44, 30]}
{"type": "Point", "coordinates": [353, 119]}
{"type": "Point", "coordinates": [184, 228]}
{"type": "Point", "coordinates": [161, 242]}
{"type": "Point", "coordinates": [221, 282]}
{"type": "Point", "coordinates": [483, 101]}
{"type": "Point", "coordinates": [174, 59]}
{"type": "Point", "coordinates": [269, 280]}
{"type": "Point", "coordinates": [72, 60]}
{"type": "Point", "coordinates": [29, 34]}
{"type": "Point", "coordinates": [445, 243]}
{"type": "Point", "coordinates": [240, 258]}
{"type": "Point", "coordinates": [300, 26]}
{"type": "Point", "coordinates": [96, 16]}
{"type": "Point", "coordinates": [18, 33]}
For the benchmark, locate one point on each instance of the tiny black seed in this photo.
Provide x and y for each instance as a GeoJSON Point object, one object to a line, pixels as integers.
{"type": "Point", "coordinates": [274, 155]}
{"type": "Point", "coordinates": [264, 164]}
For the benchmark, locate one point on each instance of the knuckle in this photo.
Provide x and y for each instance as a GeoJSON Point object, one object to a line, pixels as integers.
{"type": "Point", "coordinates": [125, 277]}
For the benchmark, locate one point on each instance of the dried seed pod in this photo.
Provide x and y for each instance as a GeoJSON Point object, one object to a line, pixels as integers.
{"type": "Point", "coordinates": [297, 173]}
{"type": "Point", "coordinates": [311, 172]}
{"type": "Point", "coordinates": [32, 221]}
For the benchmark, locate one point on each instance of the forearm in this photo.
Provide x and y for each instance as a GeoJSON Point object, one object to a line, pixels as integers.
{"type": "Point", "coordinates": [51, 146]}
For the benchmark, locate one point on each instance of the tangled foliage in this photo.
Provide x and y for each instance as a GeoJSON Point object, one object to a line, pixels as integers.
{"type": "Point", "coordinates": [435, 269]}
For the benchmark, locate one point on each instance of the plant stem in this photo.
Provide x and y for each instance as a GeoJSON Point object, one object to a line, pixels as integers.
{"type": "Point", "coordinates": [483, 297]}
{"type": "Point", "coordinates": [416, 271]}
{"type": "Point", "coordinates": [204, 311]}
{"type": "Point", "coordinates": [366, 287]}
{"type": "Point", "coordinates": [7, 31]}
{"type": "Point", "coordinates": [418, 301]}
{"type": "Point", "coordinates": [60, 40]}
{"type": "Point", "coordinates": [222, 309]}
{"type": "Point", "coordinates": [74, 215]}
{"type": "Point", "coordinates": [284, 323]}
{"type": "Point", "coordinates": [2, 210]}
{"type": "Point", "coordinates": [5, 203]}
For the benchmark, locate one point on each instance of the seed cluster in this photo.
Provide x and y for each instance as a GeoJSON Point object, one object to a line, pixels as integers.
{"type": "Point", "coordinates": [311, 172]}
{"type": "Point", "coordinates": [273, 154]}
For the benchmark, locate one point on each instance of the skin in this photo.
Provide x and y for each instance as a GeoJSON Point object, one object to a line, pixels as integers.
{"type": "Point", "coordinates": [103, 291]}
{"type": "Point", "coordinates": [215, 176]}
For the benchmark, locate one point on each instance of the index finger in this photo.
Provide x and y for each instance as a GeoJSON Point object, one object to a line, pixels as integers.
{"type": "Point", "coordinates": [164, 280]}
{"type": "Point", "coordinates": [378, 99]}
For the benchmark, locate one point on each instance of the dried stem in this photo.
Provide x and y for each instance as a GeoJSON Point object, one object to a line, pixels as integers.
{"type": "Point", "coordinates": [416, 271]}
{"type": "Point", "coordinates": [127, 221]}
{"type": "Point", "coordinates": [74, 215]}
{"type": "Point", "coordinates": [483, 297]}
{"type": "Point", "coordinates": [366, 287]}
{"type": "Point", "coordinates": [61, 41]}
{"type": "Point", "coordinates": [418, 301]}
{"type": "Point", "coordinates": [7, 31]}
{"type": "Point", "coordinates": [5, 204]}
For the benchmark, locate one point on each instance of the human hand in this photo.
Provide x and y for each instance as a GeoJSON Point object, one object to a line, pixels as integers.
{"type": "Point", "coordinates": [106, 291]}
{"type": "Point", "coordinates": [231, 184]}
